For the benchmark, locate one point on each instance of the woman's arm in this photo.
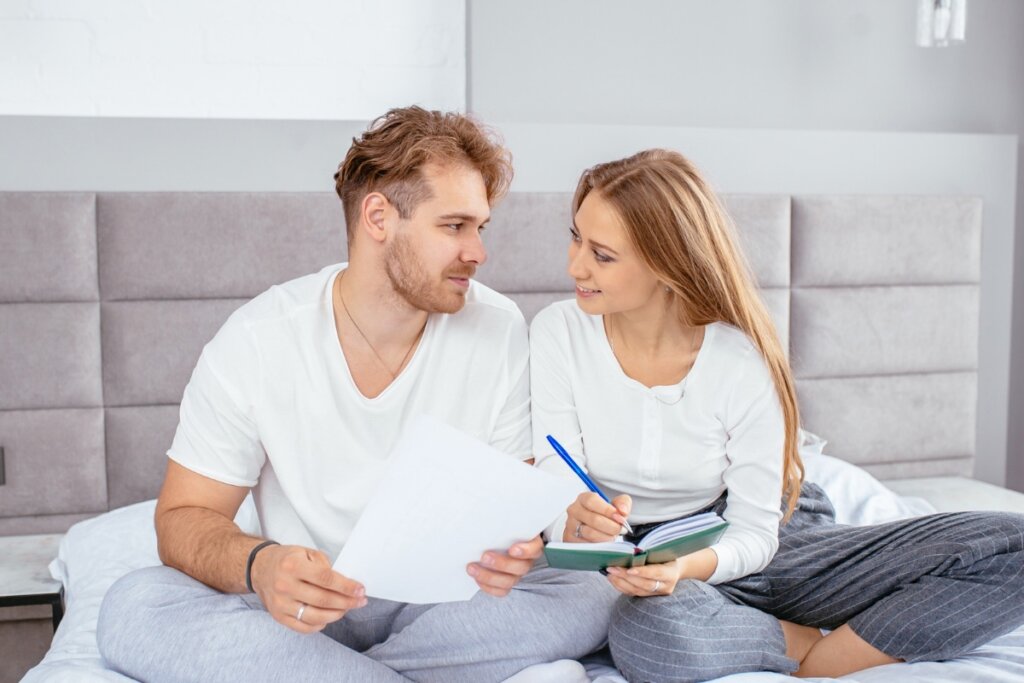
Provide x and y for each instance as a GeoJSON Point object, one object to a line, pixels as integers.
{"type": "Point", "coordinates": [755, 427]}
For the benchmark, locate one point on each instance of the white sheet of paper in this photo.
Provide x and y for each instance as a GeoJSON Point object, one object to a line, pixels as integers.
{"type": "Point", "coordinates": [446, 498]}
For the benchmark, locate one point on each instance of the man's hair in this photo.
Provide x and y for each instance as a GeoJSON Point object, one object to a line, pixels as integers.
{"type": "Point", "coordinates": [389, 158]}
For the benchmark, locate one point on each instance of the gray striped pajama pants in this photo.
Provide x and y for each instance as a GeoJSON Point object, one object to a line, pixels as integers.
{"type": "Point", "coordinates": [923, 589]}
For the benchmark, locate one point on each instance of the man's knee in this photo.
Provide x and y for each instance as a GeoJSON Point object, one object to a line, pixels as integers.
{"type": "Point", "coordinates": [554, 597]}
{"type": "Point", "coordinates": [586, 590]}
{"type": "Point", "coordinates": [129, 608]}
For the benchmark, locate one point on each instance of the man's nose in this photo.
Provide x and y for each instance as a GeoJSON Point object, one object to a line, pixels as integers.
{"type": "Point", "coordinates": [473, 250]}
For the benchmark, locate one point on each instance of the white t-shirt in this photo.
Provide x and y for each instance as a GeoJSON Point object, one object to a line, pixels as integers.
{"type": "Point", "coordinates": [674, 449]}
{"type": "Point", "coordinates": [271, 404]}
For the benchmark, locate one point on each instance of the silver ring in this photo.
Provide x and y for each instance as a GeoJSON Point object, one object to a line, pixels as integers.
{"type": "Point", "coordinates": [579, 526]}
{"type": "Point", "coordinates": [657, 585]}
{"type": "Point", "coordinates": [302, 609]}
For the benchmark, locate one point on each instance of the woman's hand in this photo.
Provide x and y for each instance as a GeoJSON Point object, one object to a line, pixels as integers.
{"type": "Point", "coordinates": [645, 581]}
{"type": "Point", "coordinates": [591, 520]}
{"type": "Point", "coordinates": [661, 579]}
{"type": "Point", "coordinates": [295, 582]}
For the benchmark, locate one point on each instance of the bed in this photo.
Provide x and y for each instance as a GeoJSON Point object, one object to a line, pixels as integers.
{"type": "Point", "coordinates": [96, 552]}
{"type": "Point", "coordinates": [860, 287]}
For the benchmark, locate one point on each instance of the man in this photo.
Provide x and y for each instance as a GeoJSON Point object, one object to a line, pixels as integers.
{"type": "Point", "coordinates": [299, 398]}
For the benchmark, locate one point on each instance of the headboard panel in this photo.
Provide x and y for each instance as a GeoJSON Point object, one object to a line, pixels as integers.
{"type": "Point", "coordinates": [884, 323]}
{"type": "Point", "coordinates": [107, 299]}
{"type": "Point", "coordinates": [529, 234]}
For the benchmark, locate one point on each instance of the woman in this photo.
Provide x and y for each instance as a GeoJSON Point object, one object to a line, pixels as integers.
{"type": "Point", "coordinates": [666, 379]}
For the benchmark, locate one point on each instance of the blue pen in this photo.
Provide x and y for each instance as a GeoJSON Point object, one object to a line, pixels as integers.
{"type": "Point", "coordinates": [581, 474]}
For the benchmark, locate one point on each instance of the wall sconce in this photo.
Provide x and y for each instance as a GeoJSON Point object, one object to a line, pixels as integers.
{"type": "Point", "coordinates": [941, 22]}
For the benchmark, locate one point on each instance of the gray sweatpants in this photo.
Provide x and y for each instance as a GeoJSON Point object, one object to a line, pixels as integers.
{"type": "Point", "coordinates": [158, 624]}
{"type": "Point", "coordinates": [922, 589]}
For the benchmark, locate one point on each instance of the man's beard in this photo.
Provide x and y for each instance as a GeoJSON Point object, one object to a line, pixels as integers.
{"type": "Point", "coordinates": [410, 280]}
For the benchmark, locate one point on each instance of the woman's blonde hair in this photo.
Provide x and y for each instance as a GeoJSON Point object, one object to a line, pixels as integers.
{"type": "Point", "coordinates": [684, 235]}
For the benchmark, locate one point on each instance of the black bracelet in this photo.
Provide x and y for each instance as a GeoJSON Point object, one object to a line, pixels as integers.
{"type": "Point", "coordinates": [252, 556]}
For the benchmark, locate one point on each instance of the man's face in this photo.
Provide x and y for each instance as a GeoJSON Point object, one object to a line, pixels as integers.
{"type": "Point", "coordinates": [433, 254]}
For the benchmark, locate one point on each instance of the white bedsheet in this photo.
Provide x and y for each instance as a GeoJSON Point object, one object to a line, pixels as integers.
{"type": "Point", "coordinates": [95, 553]}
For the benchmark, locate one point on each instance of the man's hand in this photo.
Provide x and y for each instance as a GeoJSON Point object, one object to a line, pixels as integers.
{"type": "Point", "coordinates": [496, 573]}
{"type": "Point", "coordinates": [591, 520]}
{"type": "Point", "coordinates": [286, 577]}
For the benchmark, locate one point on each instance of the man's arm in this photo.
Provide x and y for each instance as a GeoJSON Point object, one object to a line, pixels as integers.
{"type": "Point", "coordinates": [195, 530]}
{"type": "Point", "coordinates": [196, 534]}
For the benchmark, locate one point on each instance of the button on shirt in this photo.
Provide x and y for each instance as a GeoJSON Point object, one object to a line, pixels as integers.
{"type": "Point", "coordinates": [674, 449]}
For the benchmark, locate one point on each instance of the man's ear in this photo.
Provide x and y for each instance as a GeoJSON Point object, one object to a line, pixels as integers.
{"type": "Point", "coordinates": [375, 210]}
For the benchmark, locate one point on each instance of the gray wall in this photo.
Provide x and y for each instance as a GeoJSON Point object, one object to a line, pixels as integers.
{"type": "Point", "coordinates": [790, 64]}
{"type": "Point", "coordinates": [205, 155]}
{"type": "Point", "coordinates": [786, 64]}
{"type": "Point", "coordinates": [797, 64]}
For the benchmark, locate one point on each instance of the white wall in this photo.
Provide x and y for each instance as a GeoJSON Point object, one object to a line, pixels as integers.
{"type": "Point", "coordinates": [792, 66]}
{"type": "Point", "coordinates": [300, 59]}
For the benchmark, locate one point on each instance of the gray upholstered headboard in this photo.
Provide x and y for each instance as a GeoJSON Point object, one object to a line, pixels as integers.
{"type": "Point", "coordinates": [106, 300]}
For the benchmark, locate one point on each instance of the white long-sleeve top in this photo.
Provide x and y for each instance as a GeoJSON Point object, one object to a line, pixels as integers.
{"type": "Point", "coordinates": [674, 449]}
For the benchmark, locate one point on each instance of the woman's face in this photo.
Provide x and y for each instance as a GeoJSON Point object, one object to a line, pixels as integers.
{"type": "Point", "coordinates": [610, 276]}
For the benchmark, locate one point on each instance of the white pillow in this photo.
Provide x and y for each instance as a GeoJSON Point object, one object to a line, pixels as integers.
{"type": "Point", "coordinates": [858, 498]}
{"type": "Point", "coordinates": [92, 556]}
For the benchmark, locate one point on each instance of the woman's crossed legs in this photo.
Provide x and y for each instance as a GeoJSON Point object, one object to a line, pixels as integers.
{"type": "Point", "coordinates": [924, 589]}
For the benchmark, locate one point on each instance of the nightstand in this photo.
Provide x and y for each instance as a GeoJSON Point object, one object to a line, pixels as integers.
{"type": "Point", "coordinates": [24, 577]}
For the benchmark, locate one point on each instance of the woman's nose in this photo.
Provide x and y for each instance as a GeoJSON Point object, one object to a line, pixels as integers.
{"type": "Point", "coordinates": [576, 268]}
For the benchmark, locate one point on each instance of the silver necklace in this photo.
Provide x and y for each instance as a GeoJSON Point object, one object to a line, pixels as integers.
{"type": "Point", "coordinates": [394, 374]}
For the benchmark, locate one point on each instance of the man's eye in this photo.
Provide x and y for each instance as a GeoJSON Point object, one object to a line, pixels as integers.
{"type": "Point", "coordinates": [454, 226]}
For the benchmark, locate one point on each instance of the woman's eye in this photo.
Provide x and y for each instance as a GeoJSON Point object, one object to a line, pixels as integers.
{"type": "Point", "coordinates": [575, 235]}
{"type": "Point", "coordinates": [601, 258]}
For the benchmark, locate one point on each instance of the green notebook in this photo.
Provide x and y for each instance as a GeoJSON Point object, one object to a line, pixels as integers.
{"type": "Point", "coordinates": [665, 543]}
